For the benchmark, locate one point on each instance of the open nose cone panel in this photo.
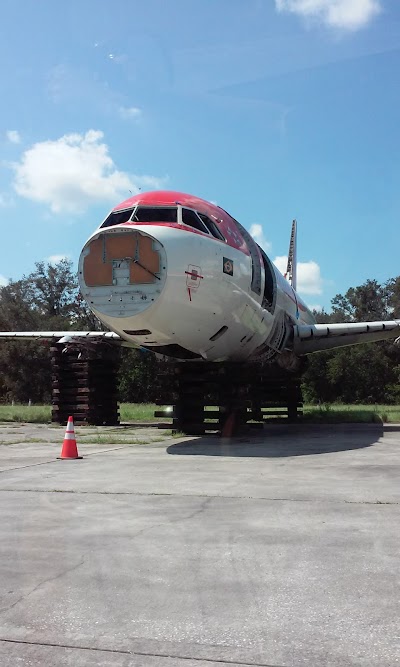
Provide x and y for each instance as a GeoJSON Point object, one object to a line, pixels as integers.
{"type": "Point", "coordinates": [122, 273]}
{"type": "Point", "coordinates": [128, 259]}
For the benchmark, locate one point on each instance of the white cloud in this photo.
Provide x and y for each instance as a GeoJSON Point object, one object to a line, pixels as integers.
{"type": "Point", "coordinates": [257, 233]}
{"type": "Point", "coordinates": [315, 306]}
{"type": "Point", "coordinates": [309, 280]}
{"type": "Point", "coordinates": [130, 113]}
{"type": "Point", "coordinates": [342, 14]}
{"type": "Point", "coordinates": [54, 259]}
{"type": "Point", "coordinates": [281, 263]}
{"type": "Point", "coordinates": [3, 281]}
{"type": "Point", "coordinates": [73, 172]}
{"type": "Point", "coordinates": [13, 136]}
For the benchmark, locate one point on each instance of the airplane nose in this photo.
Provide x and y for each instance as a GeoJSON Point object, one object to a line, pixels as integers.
{"type": "Point", "coordinates": [122, 272]}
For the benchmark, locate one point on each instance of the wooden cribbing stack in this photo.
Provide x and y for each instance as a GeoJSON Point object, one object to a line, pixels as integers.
{"type": "Point", "coordinates": [84, 384]}
{"type": "Point", "coordinates": [249, 391]}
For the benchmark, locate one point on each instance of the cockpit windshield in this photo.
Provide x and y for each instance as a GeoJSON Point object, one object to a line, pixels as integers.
{"type": "Point", "coordinates": [142, 214]}
{"type": "Point", "coordinates": [165, 214]}
{"type": "Point", "coordinates": [155, 214]}
{"type": "Point", "coordinates": [117, 217]}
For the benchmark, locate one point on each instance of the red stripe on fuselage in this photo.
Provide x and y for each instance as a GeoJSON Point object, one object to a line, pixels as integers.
{"type": "Point", "coordinates": [297, 303]}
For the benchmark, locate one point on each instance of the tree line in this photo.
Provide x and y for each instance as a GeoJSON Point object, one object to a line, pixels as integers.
{"type": "Point", "coordinates": [366, 373]}
{"type": "Point", "coordinates": [49, 299]}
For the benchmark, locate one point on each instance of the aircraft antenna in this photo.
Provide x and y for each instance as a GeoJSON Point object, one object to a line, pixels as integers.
{"type": "Point", "coordinates": [291, 270]}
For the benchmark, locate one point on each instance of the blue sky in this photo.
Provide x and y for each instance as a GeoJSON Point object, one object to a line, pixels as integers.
{"type": "Point", "coordinates": [274, 109]}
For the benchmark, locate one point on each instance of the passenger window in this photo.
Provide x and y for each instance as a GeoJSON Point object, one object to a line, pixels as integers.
{"type": "Point", "coordinates": [155, 214]}
{"type": "Point", "coordinates": [117, 218]}
{"type": "Point", "coordinates": [212, 227]}
{"type": "Point", "coordinates": [192, 219]}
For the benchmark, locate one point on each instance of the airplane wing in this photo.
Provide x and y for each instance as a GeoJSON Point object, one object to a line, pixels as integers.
{"type": "Point", "coordinates": [308, 338]}
{"type": "Point", "coordinates": [80, 337]}
{"type": "Point", "coordinates": [315, 337]}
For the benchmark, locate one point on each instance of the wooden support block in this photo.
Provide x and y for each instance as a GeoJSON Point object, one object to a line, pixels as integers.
{"type": "Point", "coordinates": [84, 385]}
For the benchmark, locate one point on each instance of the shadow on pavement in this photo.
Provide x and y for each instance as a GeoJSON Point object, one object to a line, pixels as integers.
{"type": "Point", "coordinates": [284, 441]}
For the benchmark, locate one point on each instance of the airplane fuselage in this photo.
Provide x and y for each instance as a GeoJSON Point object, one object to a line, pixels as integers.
{"type": "Point", "coordinates": [179, 276]}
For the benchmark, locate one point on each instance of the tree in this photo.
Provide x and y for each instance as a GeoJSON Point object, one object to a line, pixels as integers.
{"type": "Point", "coordinates": [361, 373]}
{"type": "Point", "coordinates": [368, 302]}
{"type": "Point", "coordinates": [15, 310]}
{"type": "Point", "coordinates": [315, 387]}
{"type": "Point", "coordinates": [138, 376]}
{"type": "Point", "coordinates": [47, 299]}
{"type": "Point", "coordinates": [393, 291]}
{"type": "Point", "coordinates": [321, 316]}
{"type": "Point", "coordinates": [52, 292]}
{"type": "Point", "coordinates": [20, 364]}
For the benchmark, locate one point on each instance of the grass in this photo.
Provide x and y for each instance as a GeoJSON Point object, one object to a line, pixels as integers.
{"type": "Point", "coordinates": [131, 412]}
{"type": "Point", "coordinates": [144, 412]}
{"type": "Point", "coordinates": [21, 441]}
{"type": "Point", "coordinates": [34, 414]}
{"type": "Point", "coordinates": [105, 440]}
{"type": "Point", "coordinates": [129, 439]}
{"type": "Point", "coordinates": [41, 414]}
{"type": "Point", "coordinates": [337, 413]}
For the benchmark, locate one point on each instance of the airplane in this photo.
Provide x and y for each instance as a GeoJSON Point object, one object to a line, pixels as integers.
{"type": "Point", "coordinates": [179, 276]}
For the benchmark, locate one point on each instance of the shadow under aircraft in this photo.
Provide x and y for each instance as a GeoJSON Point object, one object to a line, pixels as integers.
{"type": "Point", "coordinates": [280, 441]}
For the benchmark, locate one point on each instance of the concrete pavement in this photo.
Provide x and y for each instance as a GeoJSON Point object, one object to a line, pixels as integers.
{"type": "Point", "coordinates": [280, 548]}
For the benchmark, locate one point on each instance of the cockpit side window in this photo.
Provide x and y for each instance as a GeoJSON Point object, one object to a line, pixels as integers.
{"type": "Point", "coordinates": [155, 214]}
{"type": "Point", "coordinates": [212, 226]}
{"type": "Point", "coordinates": [117, 218]}
{"type": "Point", "coordinates": [192, 219]}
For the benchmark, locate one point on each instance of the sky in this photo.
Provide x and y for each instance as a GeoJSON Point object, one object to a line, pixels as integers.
{"type": "Point", "coordinates": [273, 109]}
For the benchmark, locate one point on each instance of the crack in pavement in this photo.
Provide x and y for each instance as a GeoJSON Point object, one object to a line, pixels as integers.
{"type": "Point", "coordinates": [40, 584]}
{"type": "Point", "coordinates": [56, 460]}
{"type": "Point", "coordinates": [202, 495]}
{"type": "Point", "coordinates": [201, 509]}
{"type": "Point", "coordinates": [151, 654]}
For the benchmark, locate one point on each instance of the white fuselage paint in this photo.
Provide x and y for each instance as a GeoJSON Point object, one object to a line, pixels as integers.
{"type": "Point", "coordinates": [182, 309]}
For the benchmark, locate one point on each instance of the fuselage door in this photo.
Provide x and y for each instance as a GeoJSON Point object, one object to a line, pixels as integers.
{"type": "Point", "coordinates": [255, 259]}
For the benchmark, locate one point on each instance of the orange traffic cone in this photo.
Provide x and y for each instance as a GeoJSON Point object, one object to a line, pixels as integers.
{"type": "Point", "coordinates": [69, 449]}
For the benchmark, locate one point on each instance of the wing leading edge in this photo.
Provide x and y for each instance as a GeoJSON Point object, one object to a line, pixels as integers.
{"type": "Point", "coordinates": [66, 336]}
{"type": "Point", "coordinates": [315, 337]}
